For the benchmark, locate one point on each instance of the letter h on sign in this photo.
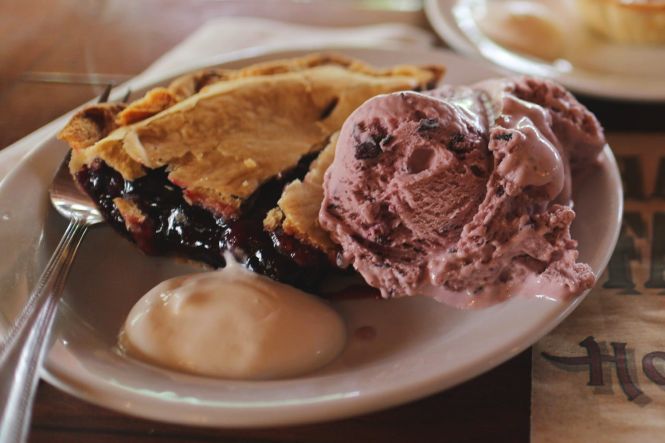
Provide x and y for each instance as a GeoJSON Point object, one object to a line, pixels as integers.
{"type": "Point", "coordinates": [594, 360]}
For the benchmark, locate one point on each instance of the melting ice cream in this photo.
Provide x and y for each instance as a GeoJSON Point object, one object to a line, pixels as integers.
{"type": "Point", "coordinates": [463, 193]}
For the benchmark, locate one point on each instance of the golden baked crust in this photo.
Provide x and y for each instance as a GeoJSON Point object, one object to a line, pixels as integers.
{"type": "Point", "coordinates": [94, 122]}
{"type": "Point", "coordinates": [154, 102]}
{"type": "Point", "coordinates": [131, 213]}
{"type": "Point", "coordinates": [297, 211]}
{"type": "Point", "coordinates": [91, 124]}
{"type": "Point", "coordinates": [638, 22]}
{"type": "Point", "coordinates": [222, 140]}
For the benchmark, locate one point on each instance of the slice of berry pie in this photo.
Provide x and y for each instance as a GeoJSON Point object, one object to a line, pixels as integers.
{"type": "Point", "coordinates": [194, 168]}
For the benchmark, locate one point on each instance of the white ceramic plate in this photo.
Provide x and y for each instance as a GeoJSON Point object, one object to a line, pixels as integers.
{"type": "Point", "coordinates": [421, 346]}
{"type": "Point", "coordinates": [589, 65]}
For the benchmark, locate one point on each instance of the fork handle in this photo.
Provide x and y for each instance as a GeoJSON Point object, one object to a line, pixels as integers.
{"type": "Point", "coordinates": [25, 346]}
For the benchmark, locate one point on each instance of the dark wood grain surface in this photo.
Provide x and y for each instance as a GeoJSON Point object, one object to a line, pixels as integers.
{"type": "Point", "coordinates": [56, 54]}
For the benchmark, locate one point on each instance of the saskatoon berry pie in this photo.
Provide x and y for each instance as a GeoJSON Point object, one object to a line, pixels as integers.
{"type": "Point", "coordinates": [229, 160]}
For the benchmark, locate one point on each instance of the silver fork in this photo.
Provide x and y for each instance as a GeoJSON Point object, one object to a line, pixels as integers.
{"type": "Point", "coordinates": [27, 342]}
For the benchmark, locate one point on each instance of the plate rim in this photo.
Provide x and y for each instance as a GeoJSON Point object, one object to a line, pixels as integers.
{"type": "Point", "coordinates": [344, 407]}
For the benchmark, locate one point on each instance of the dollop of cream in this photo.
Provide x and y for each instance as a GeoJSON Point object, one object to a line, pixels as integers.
{"type": "Point", "coordinates": [233, 324]}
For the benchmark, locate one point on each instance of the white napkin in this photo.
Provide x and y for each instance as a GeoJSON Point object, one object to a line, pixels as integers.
{"type": "Point", "coordinates": [232, 33]}
{"type": "Point", "coordinates": [227, 34]}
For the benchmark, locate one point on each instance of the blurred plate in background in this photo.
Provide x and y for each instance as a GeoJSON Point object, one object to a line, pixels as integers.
{"type": "Point", "coordinates": [549, 39]}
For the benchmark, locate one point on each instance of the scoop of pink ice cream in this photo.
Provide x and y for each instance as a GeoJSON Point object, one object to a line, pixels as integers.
{"type": "Point", "coordinates": [457, 194]}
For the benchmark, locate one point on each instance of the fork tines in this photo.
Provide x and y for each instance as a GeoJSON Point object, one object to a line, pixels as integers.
{"type": "Point", "coordinates": [105, 95]}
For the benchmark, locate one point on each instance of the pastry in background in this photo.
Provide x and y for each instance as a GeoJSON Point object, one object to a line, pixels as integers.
{"type": "Point", "coordinates": [524, 27]}
{"type": "Point", "coordinates": [623, 21]}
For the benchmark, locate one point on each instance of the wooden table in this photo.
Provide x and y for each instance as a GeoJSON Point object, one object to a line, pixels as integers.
{"type": "Point", "coordinates": [56, 54]}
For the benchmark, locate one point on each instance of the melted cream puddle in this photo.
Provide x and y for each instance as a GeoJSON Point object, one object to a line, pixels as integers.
{"type": "Point", "coordinates": [232, 324]}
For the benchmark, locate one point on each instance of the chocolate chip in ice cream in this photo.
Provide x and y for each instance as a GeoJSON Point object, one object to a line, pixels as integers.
{"type": "Point", "coordinates": [367, 150]}
{"type": "Point", "coordinates": [428, 124]}
{"type": "Point", "coordinates": [505, 136]}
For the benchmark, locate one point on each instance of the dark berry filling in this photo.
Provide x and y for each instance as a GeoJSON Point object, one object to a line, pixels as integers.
{"type": "Point", "coordinates": [174, 227]}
